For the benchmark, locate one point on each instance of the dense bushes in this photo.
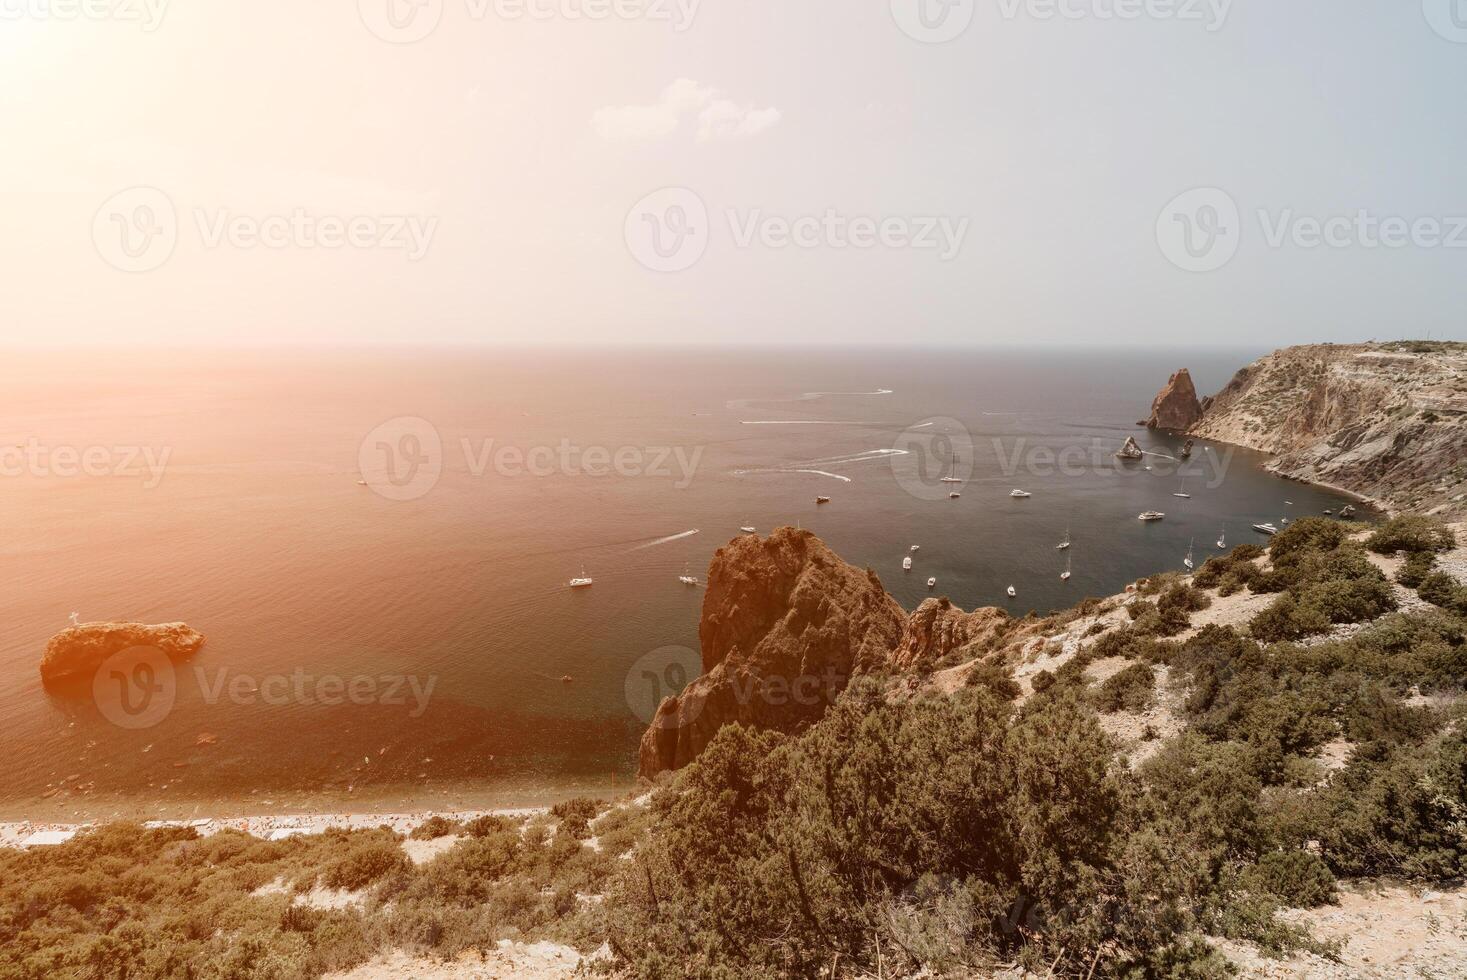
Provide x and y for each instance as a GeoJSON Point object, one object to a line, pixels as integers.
{"type": "Point", "coordinates": [1440, 589]}
{"type": "Point", "coordinates": [1132, 689]}
{"type": "Point", "coordinates": [1412, 533]}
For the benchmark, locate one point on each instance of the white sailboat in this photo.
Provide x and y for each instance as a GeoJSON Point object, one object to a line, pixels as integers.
{"type": "Point", "coordinates": [1065, 544]}
{"type": "Point", "coordinates": [1182, 490]}
{"type": "Point", "coordinates": [583, 581]}
{"type": "Point", "coordinates": [931, 582]}
{"type": "Point", "coordinates": [1265, 529]}
{"type": "Point", "coordinates": [907, 563]}
{"type": "Point", "coordinates": [1188, 561]}
{"type": "Point", "coordinates": [686, 578]}
{"type": "Point", "coordinates": [1222, 538]}
{"type": "Point", "coordinates": [1065, 575]}
{"type": "Point", "coordinates": [1013, 592]}
{"type": "Point", "coordinates": [1020, 494]}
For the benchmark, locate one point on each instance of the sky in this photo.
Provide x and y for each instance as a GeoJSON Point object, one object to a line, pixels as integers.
{"type": "Point", "coordinates": [603, 172]}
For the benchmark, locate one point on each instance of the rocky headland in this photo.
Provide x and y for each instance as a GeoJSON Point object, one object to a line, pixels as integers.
{"type": "Point", "coordinates": [1387, 422]}
{"type": "Point", "coordinates": [75, 653]}
{"type": "Point", "coordinates": [1176, 407]}
{"type": "Point", "coordinates": [786, 624]}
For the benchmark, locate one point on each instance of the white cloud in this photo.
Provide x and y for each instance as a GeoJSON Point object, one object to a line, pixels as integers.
{"type": "Point", "coordinates": [725, 120]}
{"type": "Point", "coordinates": [718, 118]}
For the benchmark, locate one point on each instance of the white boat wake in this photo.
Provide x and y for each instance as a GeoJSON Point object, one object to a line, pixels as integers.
{"type": "Point", "coordinates": [795, 422]}
{"type": "Point", "coordinates": [810, 465]}
{"type": "Point", "coordinates": [670, 537]}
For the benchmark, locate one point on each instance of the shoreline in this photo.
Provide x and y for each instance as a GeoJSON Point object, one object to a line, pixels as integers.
{"type": "Point", "coordinates": [259, 805]}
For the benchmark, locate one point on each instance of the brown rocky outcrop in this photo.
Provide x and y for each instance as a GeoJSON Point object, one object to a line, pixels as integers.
{"type": "Point", "coordinates": [938, 628]}
{"type": "Point", "coordinates": [1386, 421]}
{"type": "Point", "coordinates": [74, 654]}
{"type": "Point", "coordinates": [1176, 408]}
{"type": "Point", "coordinates": [785, 625]}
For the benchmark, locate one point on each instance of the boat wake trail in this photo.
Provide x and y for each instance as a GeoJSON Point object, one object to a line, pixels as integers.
{"type": "Point", "coordinates": [670, 537]}
{"type": "Point", "coordinates": [1162, 456]}
{"type": "Point", "coordinates": [811, 465]}
{"type": "Point", "coordinates": [806, 396]}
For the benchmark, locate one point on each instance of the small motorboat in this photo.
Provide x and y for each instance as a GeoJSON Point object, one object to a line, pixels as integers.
{"type": "Point", "coordinates": [950, 479]}
{"type": "Point", "coordinates": [748, 530]}
{"type": "Point", "coordinates": [687, 579]}
{"type": "Point", "coordinates": [907, 563]}
{"type": "Point", "coordinates": [1019, 494]}
{"type": "Point", "coordinates": [915, 547]}
{"type": "Point", "coordinates": [567, 679]}
{"type": "Point", "coordinates": [822, 500]}
{"type": "Point", "coordinates": [361, 483]}
{"type": "Point", "coordinates": [1288, 503]}
{"type": "Point", "coordinates": [931, 582]}
{"type": "Point", "coordinates": [954, 495]}
{"type": "Point", "coordinates": [1013, 592]}
{"type": "Point", "coordinates": [583, 581]}
{"type": "Point", "coordinates": [1265, 529]}
{"type": "Point", "coordinates": [1151, 515]}
{"type": "Point", "coordinates": [1284, 521]}
{"type": "Point", "coordinates": [1065, 544]}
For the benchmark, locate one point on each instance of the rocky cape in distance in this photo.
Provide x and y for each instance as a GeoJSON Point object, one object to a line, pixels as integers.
{"type": "Point", "coordinates": [75, 653]}
{"type": "Point", "coordinates": [1384, 421]}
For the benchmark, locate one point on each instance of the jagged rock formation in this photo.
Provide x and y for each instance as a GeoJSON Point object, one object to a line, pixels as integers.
{"type": "Point", "coordinates": [1130, 450]}
{"type": "Point", "coordinates": [1176, 407]}
{"type": "Point", "coordinates": [785, 625]}
{"type": "Point", "coordinates": [1386, 421]}
{"type": "Point", "coordinates": [76, 653]}
{"type": "Point", "coordinates": [938, 627]}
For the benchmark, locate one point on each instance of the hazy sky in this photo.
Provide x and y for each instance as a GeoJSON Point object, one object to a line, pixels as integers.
{"type": "Point", "coordinates": [243, 171]}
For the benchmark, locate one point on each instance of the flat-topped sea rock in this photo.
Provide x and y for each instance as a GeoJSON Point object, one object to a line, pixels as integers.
{"type": "Point", "coordinates": [76, 652]}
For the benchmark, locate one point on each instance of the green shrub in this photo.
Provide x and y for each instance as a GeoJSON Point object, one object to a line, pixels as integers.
{"type": "Point", "coordinates": [435, 827]}
{"type": "Point", "coordinates": [1042, 681]}
{"type": "Point", "coordinates": [1299, 879]}
{"type": "Point", "coordinates": [1441, 589]}
{"type": "Point", "coordinates": [997, 678]}
{"type": "Point", "coordinates": [1411, 532]}
{"type": "Point", "coordinates": [1132, 689]}
{"type": "Point", "coordinates": [1417, 567]}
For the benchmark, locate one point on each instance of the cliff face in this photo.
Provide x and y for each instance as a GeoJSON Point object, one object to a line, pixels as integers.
{"type": "Point", "coordinates": [938, 628]}
{"type": "Point", "coordinates": [1175, 407]}
{"type": "Point", "coordinates": [76, 653]}
{"type": "Point", "coordinates": [785, 625]}
{"type": "Point", "coordinates": [1388, 421]}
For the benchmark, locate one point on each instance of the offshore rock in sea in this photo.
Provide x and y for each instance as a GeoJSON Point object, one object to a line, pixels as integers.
{"type": "Point", "coordinates": [785, 626]}
{"type": "Point", "coordinates": [76, 653]}
{"type": "Point", "coordinates": [1130, 450]}
{"type": "Point", "coordinates": [1176, 407]}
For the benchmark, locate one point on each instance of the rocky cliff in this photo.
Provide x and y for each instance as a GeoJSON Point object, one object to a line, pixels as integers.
{"type": "Point", "coordinates": [1386, 421]}
{"type": "Point", "coordinates": [785, 626]}
{"type": "Point", "coordinates": [74, 654]}
{"type": "Point", "coordinates": [1176, 407]}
